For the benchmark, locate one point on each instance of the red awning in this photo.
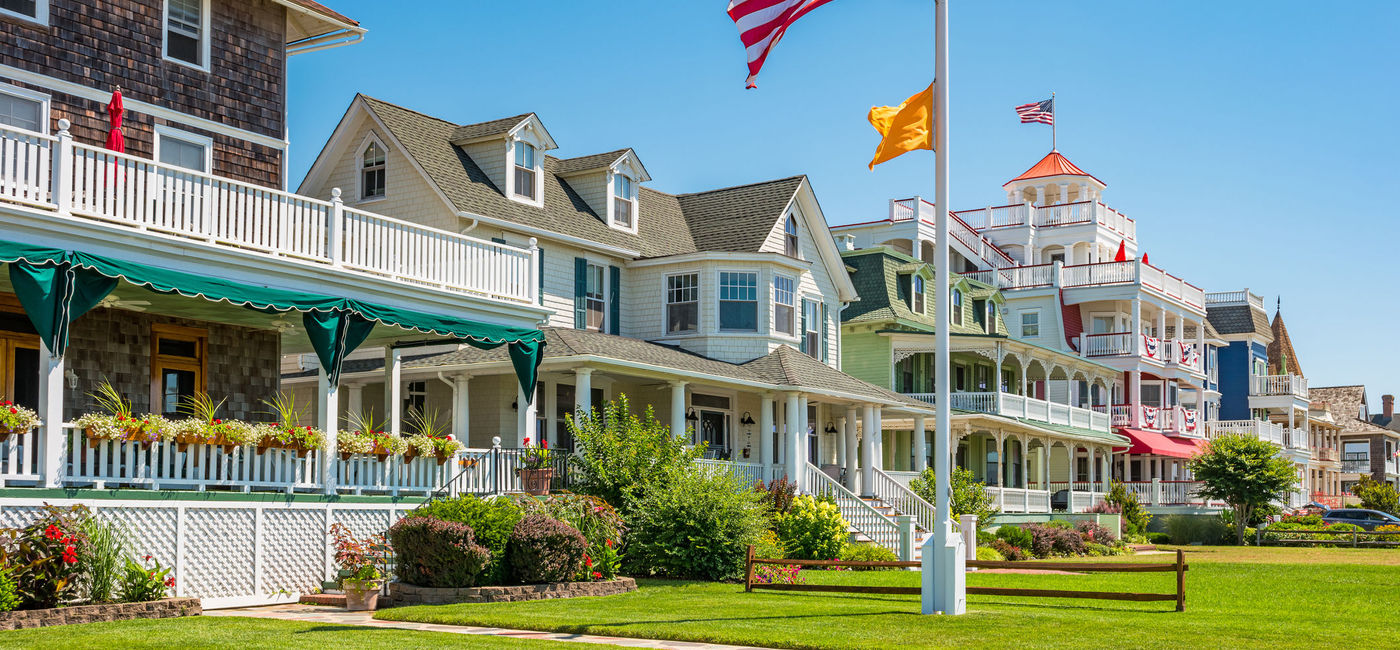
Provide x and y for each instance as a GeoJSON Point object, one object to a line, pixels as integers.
{"type": "Point", "coordinates": [1150, 442]}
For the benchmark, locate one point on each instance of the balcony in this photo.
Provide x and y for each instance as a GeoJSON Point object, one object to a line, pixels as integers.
{"type": "Point", "coordinates": [1175, 352]}
{"type": "Point", "coordinates": [1101, 274]}
{"type": "Point", "coordinates": [1263, 430]}
{"type": "Point", "coordinates": [1228, 298]}
{"type": "Point", "coordinates": [1170, 419]}
{"type": "Point", "coordinates": [1050, 216]}
{"type": "Point", "coordinates": [1325, 454]}
{"type": "Point", "coordinates": [1359, 463]}
{"type": "Point", "coordinates": [69, 180]}
{"type": "Point", "coordinates": [1278, 385]}
{"type": "Point", "coordinates": [1030, 408]}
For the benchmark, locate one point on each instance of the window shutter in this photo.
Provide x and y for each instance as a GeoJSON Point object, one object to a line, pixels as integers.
{"type": "Point", "coordinates": [541, 252]}
{"type": "Point", "coordinates": [802, 330]}
{"type": "Point", "coordinates": [826, 324]}
{"type": "Point", "coordinates": [580, 293]}
{"type": "Point", "coordinates": [614, 300]}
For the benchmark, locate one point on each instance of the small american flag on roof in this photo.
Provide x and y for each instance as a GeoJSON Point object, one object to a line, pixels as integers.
{"type": "Point", "coordinates": [1043, 112]}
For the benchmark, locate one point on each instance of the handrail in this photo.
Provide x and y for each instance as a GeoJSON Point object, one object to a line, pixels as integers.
{"type": "Point", "coordinates": [856, 511]}
{"type": "Point", "coordinates": [903, 499]}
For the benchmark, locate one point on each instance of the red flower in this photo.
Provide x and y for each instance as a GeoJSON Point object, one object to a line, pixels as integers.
{"type": "Point", "coordinates": [121, 418]}
{"type": "Point", "coordinates": [527, 442]}
{"type": "Point", "coordinates": [608, 542]}
{"type": "Point", "coordinates": [544, 443]}
{"type": "Point", "coordinates": [52, 532]}
{"type": "Point", "coordinates": [218, 421]}
{"type": "Point", "coordinates": [170, 582]}
{"type": "Point", "coordinates": [148, 557]}
{"type": "Point", "coordinates": [597, 576]}
{"type": "Point", "coordinates": [14, 410]}
{"type": "Point", "coordinates": [587, 561]}
{"type": "Point", "coordinates": [70, 556]}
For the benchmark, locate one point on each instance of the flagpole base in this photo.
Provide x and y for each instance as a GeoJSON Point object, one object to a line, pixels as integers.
{"type": "Point", "coordinates": [944, 579]}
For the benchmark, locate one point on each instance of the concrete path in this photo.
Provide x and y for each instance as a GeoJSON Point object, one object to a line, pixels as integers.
{"type": "Point", "coordinates": [339, 616]}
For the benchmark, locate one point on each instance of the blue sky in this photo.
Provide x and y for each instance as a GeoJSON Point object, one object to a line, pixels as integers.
{"type": "Point", "coordinates": [1254, 142]}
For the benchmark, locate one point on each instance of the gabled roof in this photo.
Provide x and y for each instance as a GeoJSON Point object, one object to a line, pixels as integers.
{"type": "Point", "coordinates": [737, 218]}
{"type": "Point", "coordinates": [489, 129]}
{"type": "Point", "coordinates": [877, 280]}
{"type": "Point", "coordinates": [786, 366]}
{"type": "Point", "coordinates": [1345, 403]}
{"type": "Point", "coordinates": [1240, 319]}
{"type": "Point", "coordinates": [307, 19]}
{"type": "Point", "coordinates": [586, 163]}
{"type": "Point", "coordinates": [1053, 164]}
{"type": "Point", "coordinates": [1282, 358]}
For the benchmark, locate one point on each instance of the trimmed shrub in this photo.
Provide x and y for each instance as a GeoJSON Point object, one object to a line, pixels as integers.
{"type": "Point", "coordinates": [985, 554]}
{"type": "Point", "coordinates": [1054, 541]}
{"type": "Point", "coordinates": [543, 549]}
{"type": "Point", "coordinates": [812, 529]}
{"type": "Point", "coordinates": [1094, 533]}
{"type": "Point", "coordinates": [435, 553]}
{"type": "Point", "coordinates": [1015, 536]}
{"type": "Point", "coordinates": [695, 524]}
{"type": "Point", "coordinates": [491, 521]}
{"type": "Point", "coordinates": [858, 552]}
{"type": "Point", "coordinates": [1159, 538]}
{"type": "Point", "coordinates": [1197, 529]}
{"type": "Point", "coordinates": [1009, 551]}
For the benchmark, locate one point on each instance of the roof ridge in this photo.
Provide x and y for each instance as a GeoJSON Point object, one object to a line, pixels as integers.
{"type": "Point", "coordinates": [405, 108]}
{"type": "Point", "coordinates": [735, 187]}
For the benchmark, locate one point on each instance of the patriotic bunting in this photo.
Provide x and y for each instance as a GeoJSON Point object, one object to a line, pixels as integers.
{"type": "Point", "coordinates": [1149, 416]}
{"type": "Point", "coordinates": [1151, 347]}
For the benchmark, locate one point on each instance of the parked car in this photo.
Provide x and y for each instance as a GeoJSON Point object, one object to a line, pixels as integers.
{"type": "Point", "coordinates": [1367, 519]}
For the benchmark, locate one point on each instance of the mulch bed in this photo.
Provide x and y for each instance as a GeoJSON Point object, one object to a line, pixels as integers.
{"type": "Point", "coordinates": [167, 608]}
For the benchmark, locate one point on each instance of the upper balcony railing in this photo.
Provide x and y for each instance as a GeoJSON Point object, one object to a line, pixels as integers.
{"type": "Point", "coordinates": [1012, 405]}
{"type": "Point", "coordinates": [1261, 429]}
{"type": "Point", "coordinates": [1173, 419]}
{"type": "Point", "coordinates": [1176, 352]}
{"type": "Point", "coordinates": [1241, 297]}
{"type": "Point", "coordinates": [71, 179]}
{"type": "Point", "coordinates": [1271, 385]}
{"type": "Point", "coordinates": [991, 255]}
{"type": "Point", "coordinates": [1050, 216]}
{"type": "Point", "coordinates": [1098, 274]}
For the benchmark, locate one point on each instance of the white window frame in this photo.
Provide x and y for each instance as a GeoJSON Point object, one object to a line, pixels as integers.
{"type": "Point", "coordinates": [613, 199]}
{"type": "Point", "coordinates": [991, 316]}
{"type": "Point", "coordinates": [604, 297]}
{"type": "Point", "coordinates": [955, 306]}
{"type": "Point", "coordinates": [794, 238]}
{"type": "Point", "coordinates": [814, 326]}
{"type": "Point", "coordinates": [538, 200]}
{"type": "Point", "coordinates": [360, 169]}
{"type": "Point", "coordinates": [794, 305]}
{"type": "Point", "coordinates": [204, 36]}
{"type": "Point", "coordinates": [918, 299]}
{"type": "Point", "coordinates": [163, 131]}
{"type": "Point", "coordinates": [1021, 317]}
{"type": "Point", "coordinates": [667, 303]}
{"type": "Point", "coordinates": [24, 93]}
{"type": "Point", "coordinates": [40, 17]}
{"type": "Point", "coordinates": [719, 299]}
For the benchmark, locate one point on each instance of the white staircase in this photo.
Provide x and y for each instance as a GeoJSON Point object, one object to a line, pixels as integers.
{"type": "Point", "coordinates": [877, 520]}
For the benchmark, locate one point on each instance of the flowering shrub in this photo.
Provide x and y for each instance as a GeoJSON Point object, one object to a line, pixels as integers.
{"type": "Point", "coordinates": [359, 559]}
{"type": "Point", "coordinates": [608, 561]}
{"type": "Point", "coordinates": [43, 556]}
{"type": "Point", "coordinates": [145, 581]}
{"type": "Point", "coordinates": [1094, 533]}
{"type": "Point", "coordinates": [435, 553]}
{"type": "Point", "coordinates": [1010, 551]}
{"type": "Point", "coordinates": [542, 549]}
{"type": "Point", "coordinates": [16, 419]}
{"type": "Point", "coordinates": [812, 529]}
{"type": "Point", "coordinates": [1051, 541]}
{"type": "Point", "coordinates": [773, 574]}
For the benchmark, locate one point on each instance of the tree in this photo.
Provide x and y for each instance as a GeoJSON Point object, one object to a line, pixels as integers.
{"type": "Point", "coordinates": [1375, 495]}
{"type": "Point", "coordinates": [621, 454]}
{"type": "Point", "coordinates": [969, 495]}
{"type": "Point", "coordinates": [1244, 472]}
{"type": "Point", "coordinates": [1135, 516]}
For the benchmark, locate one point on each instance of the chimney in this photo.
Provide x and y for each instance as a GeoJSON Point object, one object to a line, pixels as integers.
{"type": "Point", "coordinates": [1388, 406]}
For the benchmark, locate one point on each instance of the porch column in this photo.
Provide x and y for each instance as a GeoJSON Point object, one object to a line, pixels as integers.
{"type": "Point", "coordinates": [525, 416]}
{"type": "Point", "coordinates": [1093, 466]}
{"type": "Point", "coordinates": [852, 454]}
{"type": "Point", "coordinates": [794, 451]}
{"type": "Point", "coordinates": [803, 439]}
{"type": "Point", "coordinates": [393, 388]}
{"type": "Point", "coordinates": [1135, 398]}
{"type": "Point", "coordinates": [327, 419]}
{"type": "Point", "coordinates": [1025, 465]}
{"type": "Point", "coordinates": [1161, 323]}
{"type": "Point", "coordinates": [51, 415]}
{"type": "Point", "coordinates": [838, 441]}
{"type": "Point", "coordinates": [1045, 468]}
{"type": "Point", "coordinates": [1001, 469]}
{"type": "Point", "coordinates": [869, 430]}
{"type": "Point", "coordinates": [461, 409]}
{"type": "Point", "coordinates": [355, 398]}
{"type": "Point", "coordinates": [1073, 462]}
{"type": "Point", "coordinates": [920, 443]}
{"type": "Point", "coordinates": [583, 391]}
{"type": "Point", "coordinates": [765, 433]}
{"type": "Point", "coordinates": [879, 438]}
{"type": "Point", "coordinates": [677, 409]}
{"type": "Point", "coordinates": [1136, 321]}
{"type": "Point", "coordinates": [1180, 330]}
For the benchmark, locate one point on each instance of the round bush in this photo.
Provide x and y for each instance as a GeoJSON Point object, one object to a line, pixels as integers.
{"type": "Point", "coordinates": [543, 549]}
{"type": "Point", "coordinates": [434, 553]}
{"type": "Point", "coordinates": [987, 554]}
{"type": "Point", "coordinates": [860, 552]}
{"type": "Point", "coordinates": [695, 524]}
{"type": "Point", "coordinates": [1050, 541]}
{"type": "Point", "coordinates": [491, 520]}
{"type": "Point", "coordinates": [1094, 533]}
{"type": "Point", "coordinates": [812, 529]}
{"type": "Point", "coordinates": [1015, 536]}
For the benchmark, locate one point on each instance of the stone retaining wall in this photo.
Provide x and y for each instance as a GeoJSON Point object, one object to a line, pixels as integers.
{"type": "Point", "coordinates": [406, 594]}
{"type": "Point", "coordinates": [168, 608]}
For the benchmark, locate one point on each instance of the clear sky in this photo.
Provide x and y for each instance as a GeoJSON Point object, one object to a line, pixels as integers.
{"type": "Point", "coordinates": [1255, 143]}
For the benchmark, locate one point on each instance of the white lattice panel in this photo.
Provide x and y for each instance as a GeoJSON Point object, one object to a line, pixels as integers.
{"type": "Point", "coordinates": [363, 523]}
{"type": "Point", "coordinates": [218, 556]}
{"type": "Point", "coordinates": [293, 550]}
{"type": "Point", "coordinates": [150, 531]}
{"type": "Point", "coordinates": [18, 516]}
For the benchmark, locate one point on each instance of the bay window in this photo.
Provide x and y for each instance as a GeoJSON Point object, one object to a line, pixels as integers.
{"type": "Point", "coordinates": [738, 301]}
{"type": "Point", "coordinates": [783, 304]}
{"type": "Point", "coordinates": [682, 303]}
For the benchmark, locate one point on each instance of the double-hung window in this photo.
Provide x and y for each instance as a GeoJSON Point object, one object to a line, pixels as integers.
{"type": "Point", "coordinates": [185, 150]}
{"type": "Point", "coordinates": [185, 31]}
{"type": "Point", "coordinates": [372, 165]}
{"type": "Point", "coordinates": [1030, 324]}
{"type": "Point", "coordinates": [21, 111]}
{"type": "Point", "coordinates": [991, 317]}
{"type": "Point", "coordinates": [916, 295]}
{"type": "Point", "coordinates": [738, 301]}
{"type": "Point", "coordinates": [525, 170]}
{"type": "Point", "coordinates": [622, 201]}
{"type": "Point", "coordinates": [812, 334]}
{"type": "Point", "coordinates": [597, 299]}
{"type": "Point", "coordinates": [35, 10]}
{"type": "Point", "coordinates": [682, 303]}
{"type": "Point", "coordinates": [955, 314]}
{"type": "Point", "coordinates": [790, 246]}
{"type": "Point", "coordinates": [783, 304]}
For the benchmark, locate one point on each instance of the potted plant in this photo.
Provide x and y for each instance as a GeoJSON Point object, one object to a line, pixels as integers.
{"type": "Point", "coordinates": [431, 439]}
{"type": "Point", "coordinates": [535, 471]}
{"type": "Point", "coordinates": [204, 426]}
{"type": "Point", "coordinates": [117, 422]}
{"type": "Point", "coordinates": [366, 436]}
{"type": "Point", "coordinates": [15, 419]}
{"type": "Point", "coordinates": [284, 434]}
{"type": "Point", "coordinates": [362, 564]}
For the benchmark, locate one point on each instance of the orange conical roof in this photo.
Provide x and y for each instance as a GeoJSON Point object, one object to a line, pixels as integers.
{"type": "Point", "coordinates": [1053, 164]}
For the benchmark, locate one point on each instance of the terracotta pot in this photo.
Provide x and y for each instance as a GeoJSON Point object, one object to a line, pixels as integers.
{"type": "Point", "coordinates": [345, 455]}
{"type": "Point", "coordinates": [442, 459]}
{"type": "Point", "coordinates": [409, 454]}
{"type": "Point", "coordinates": [361, 595]}
{"type": "Point", "coordinates": [536, 481]}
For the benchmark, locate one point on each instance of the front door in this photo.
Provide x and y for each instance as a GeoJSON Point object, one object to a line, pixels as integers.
{"type": "Point", "coordinates": [19, 360]}
{"type": "Point", "coordinates": [714, 427]}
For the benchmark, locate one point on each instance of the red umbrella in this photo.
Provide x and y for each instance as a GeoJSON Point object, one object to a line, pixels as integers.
{"type": "Point", "coordinates": [115, 141]}
{"type": "Point", "coordinates": [1144, 260]}
{"type": "Point", "coordinates": [1122, 255]}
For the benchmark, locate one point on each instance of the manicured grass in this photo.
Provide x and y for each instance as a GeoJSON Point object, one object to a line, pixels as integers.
{"type": "Point", "coordinates": [245, 633]}
{"type": "Point", "coordinates": [1280, 597]}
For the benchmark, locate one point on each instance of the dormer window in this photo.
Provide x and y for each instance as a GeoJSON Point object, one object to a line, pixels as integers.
{"type": "Point", "coordinates": [525, 170]}
{"type": "Point", "coordinates": [916, 297]}
{"type": "Point", "coordinates": [372, 165]}
{"type": "Point", "coordinates": [955, 314]}
{"type": "Point", "coordinates": [790, 237]}
{"type": "Point", "coordinates": [624, 193]}
{"type": "Point", "coordinates": [991, 317]}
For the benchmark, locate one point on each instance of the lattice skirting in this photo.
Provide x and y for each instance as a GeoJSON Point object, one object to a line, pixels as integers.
{"type": "Point", "coordinates": [231, 554]}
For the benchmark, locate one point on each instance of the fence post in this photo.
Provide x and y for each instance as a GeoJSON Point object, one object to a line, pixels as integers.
{"type": "Point", "coordinates": [496, 462]}
{"type": "Point", "coordinates": [62, 176]}
{"type": "Point", "coordinates": [968, 524]}
{"type": "Point", "coordinates": [335, 229]}
{"type": "Point", "coordinates": [1156, 491]}
{"type": "Point", "coordinates": [534, 272]}
{"type": "Point", "coordinates": [748, 571]}
{"type": "Point", "coordinates": [1180, 581]}
{"type": "Point", "coordinates": [1354, 537]}
{"type": "Point", "coordinates": [906, 537]}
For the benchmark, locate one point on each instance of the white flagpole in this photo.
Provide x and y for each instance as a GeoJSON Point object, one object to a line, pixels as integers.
{"type": "Point", "coordinates": [1054, 146]}
{"type": "Point", "coordinates": [944, 560]}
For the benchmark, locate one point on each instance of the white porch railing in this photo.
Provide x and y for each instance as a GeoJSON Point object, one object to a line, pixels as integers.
{"type": "Point", "coordinates": [19, 459]}
{"type": "Point", "coordinates": [89, 182]}
{"type": "Point", "coordinates": [168, 465]}
{"type": "Point", "coordinates": [749, 472]}
{"type": "Point", "coordinates": [1109, 344]}
{"type": "Point", "coordinates": [857, 511]}
{"type": "Point", "coordinates": [1165, 493]}
{"type": "Point", "coordinates": [1270, 385]}
{"type": "Point", "coordinates": [1011, 405]}
{"type": "Point", "coordinates": [1007, 216]}
{"type": "Point", "coordinates": [1263, 430]}
{"type": "Point", "coordinates": [898, 496]}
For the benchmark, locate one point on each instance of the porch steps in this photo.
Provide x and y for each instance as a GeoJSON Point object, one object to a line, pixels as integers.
{"type": "Point", "coordinates": [920, 535]}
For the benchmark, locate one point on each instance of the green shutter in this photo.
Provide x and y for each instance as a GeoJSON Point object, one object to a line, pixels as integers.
{"type": "Point", "coordinates": [826, 324]}
{"type": "Point", "coordinates": [802, 330]}
{"type": "Point", "coordinates": [614, 300]}
{"type": "Point", "coordinates": [580, 293]}
{"type": "Point", "coordinates": [541, 252]}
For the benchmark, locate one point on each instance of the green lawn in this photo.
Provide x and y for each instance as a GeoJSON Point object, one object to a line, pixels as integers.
{"type": "Point", "coordinates": [244, 633]}
{"type": "Point", "coordinates": [1281, 597]}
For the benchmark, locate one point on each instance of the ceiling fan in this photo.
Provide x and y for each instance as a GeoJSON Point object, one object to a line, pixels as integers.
{"type": "Point", "coordinates": [113, 302]}
{"type": "Point", "coordinates": [281, 324]}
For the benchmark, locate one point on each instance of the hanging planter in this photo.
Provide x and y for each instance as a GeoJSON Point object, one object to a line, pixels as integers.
{"type": "Point", "coordinates": [16, 420]}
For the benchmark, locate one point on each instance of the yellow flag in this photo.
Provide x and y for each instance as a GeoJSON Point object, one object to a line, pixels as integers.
{"type": "Point", "coordinates": [903, 128]}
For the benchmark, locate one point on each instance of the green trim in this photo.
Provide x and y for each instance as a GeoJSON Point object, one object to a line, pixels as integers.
{"type": "Point", "coordinates": [210, 497]}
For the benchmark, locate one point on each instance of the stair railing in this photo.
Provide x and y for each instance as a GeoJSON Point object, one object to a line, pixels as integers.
{"type": "Point", "coordinates": [857, 512]}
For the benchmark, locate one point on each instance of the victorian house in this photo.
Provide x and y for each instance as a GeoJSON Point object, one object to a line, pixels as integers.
{"type": "Point", "coordinates": [1370, 442]}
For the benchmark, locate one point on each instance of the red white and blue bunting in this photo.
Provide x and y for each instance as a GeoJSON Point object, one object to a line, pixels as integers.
{"type": "Point", "coordinates": [1151, 347]}
{"type": "Point", "coordinates": [1188, 354]}
{"type": "Point", "coordinates": [1149, 417]}
{"type": "Point", "coordinates": [1188, 419]}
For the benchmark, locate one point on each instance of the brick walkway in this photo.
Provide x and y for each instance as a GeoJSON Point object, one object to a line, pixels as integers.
{"type": "Point", "coordinates": [339, 616]}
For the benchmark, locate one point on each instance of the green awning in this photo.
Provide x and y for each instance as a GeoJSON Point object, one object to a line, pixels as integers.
{"type": "Point", "coordinates": [56, 286]}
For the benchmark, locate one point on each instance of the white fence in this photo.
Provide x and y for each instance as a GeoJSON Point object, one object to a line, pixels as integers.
{"type": "Point", "coordinates": [1008, 404]}
{"type": "Point", "coordinates": [147, 196]}
{"type": "Point", "coordinates": [1269, 385]}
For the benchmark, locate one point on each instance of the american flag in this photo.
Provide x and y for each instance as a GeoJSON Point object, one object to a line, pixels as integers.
{"type": "Point", "coordinates": [1043, 112]}
{"type": "Point", "coordinates": [762, 23]}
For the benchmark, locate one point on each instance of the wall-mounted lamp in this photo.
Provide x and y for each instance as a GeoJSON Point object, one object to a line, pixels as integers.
{"type": "Point", "coordinates": [830, 428]}
{"type": "Point", "coordinates": [72, 378]}
{"type": "Point", "coordinates": [690, 415]}
{"type": "Point", "coordinates": [515, 406]}
{"type": "Point", "coordinates": [746, 419]}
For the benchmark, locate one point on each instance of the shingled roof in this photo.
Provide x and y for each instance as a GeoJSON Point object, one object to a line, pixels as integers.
{"type": "Point", "coordinates": [1282, 358]}
{"type": "Point", "coordinates": [1240, 319]}
{"type": "Point", "coordinates": [876, 276]}
{"type": "Point", "coordinates": [732, 219]}
{"type": "Point", "coordinates": [1345, 403]}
